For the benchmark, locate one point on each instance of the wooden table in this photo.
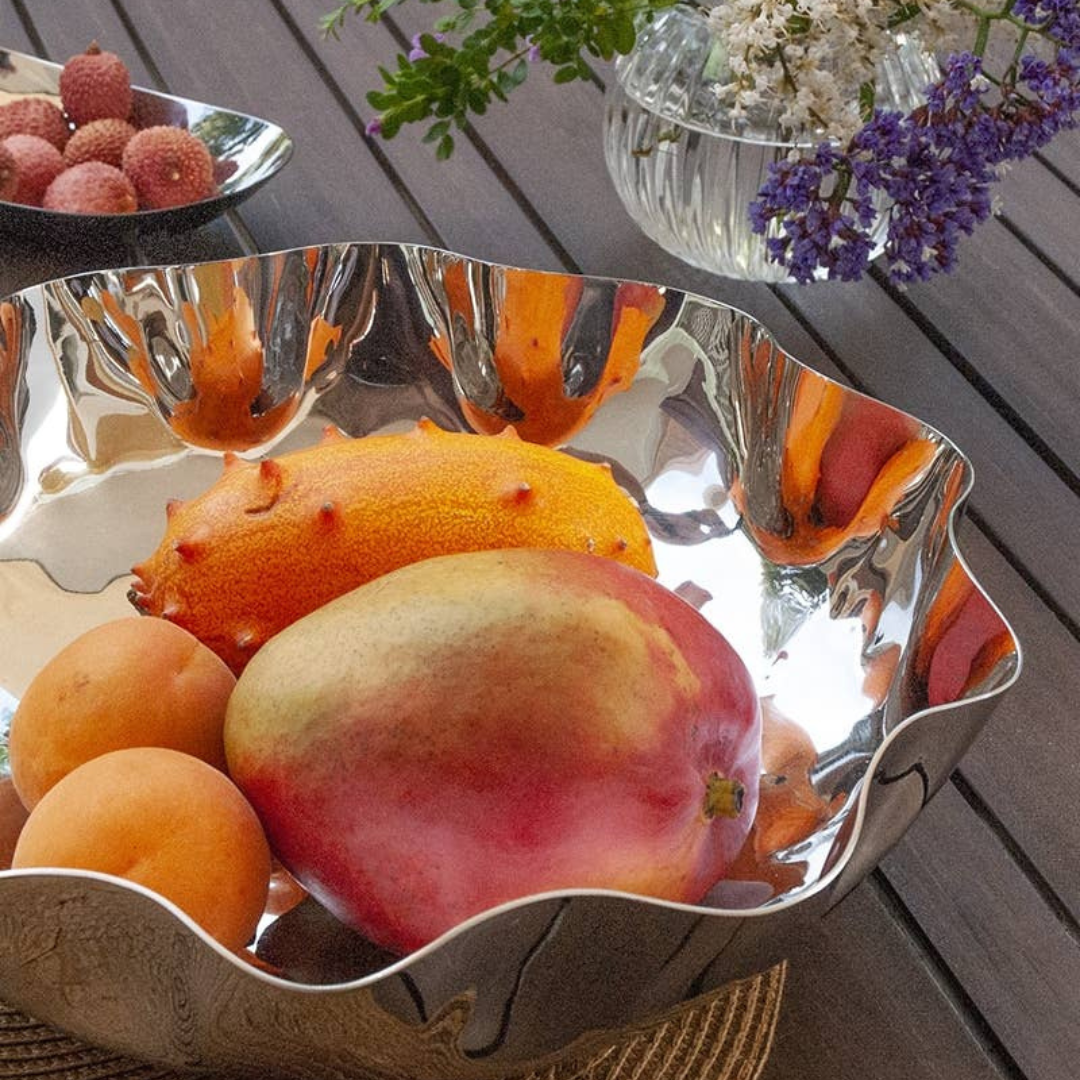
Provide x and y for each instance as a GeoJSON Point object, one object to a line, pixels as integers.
{"type": "Point", "coordinates": [960, 957]}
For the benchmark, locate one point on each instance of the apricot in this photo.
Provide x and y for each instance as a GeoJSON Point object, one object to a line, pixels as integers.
{"type": "Point", "coordinates": [166, 821]}
{"type": "Point", "coordinates": [129, 682]}
{"type": "Point", "coordinates": [12, 819]}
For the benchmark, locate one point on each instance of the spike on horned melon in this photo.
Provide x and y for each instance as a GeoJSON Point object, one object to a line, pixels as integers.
{"type": "Point", "coordinates": [271, 541]}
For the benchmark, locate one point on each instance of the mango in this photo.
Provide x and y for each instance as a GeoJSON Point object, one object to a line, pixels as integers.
{"type": "Point", "coordinates": [477, 727]}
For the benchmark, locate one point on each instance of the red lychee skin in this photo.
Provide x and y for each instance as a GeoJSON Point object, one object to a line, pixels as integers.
{"type": "Point", "coordinates": [91, 187]}
{"type": "Point", "coordinates": [34, 116]}
{"type": "Point", "coordinates": [100, 140]}
{"type": "Point", "coordinates": [95, 85]}
{"type": "Point", "coordinates": [169, 167]}
{"type": "Point", "coordinates": [38, 163]}
{"type": "Point", "coordinates": [9, 174]}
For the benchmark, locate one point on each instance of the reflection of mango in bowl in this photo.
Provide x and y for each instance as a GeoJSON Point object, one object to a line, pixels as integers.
{"type": "Point", "coordinates": [549, 382]}
{"type": "Point", "coordinates": [846, 461]}
{"type": "Point", "coordinates": [963, 639]}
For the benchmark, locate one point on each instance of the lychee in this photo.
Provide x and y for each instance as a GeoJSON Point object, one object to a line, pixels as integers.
{"type": "Point", "coordinates": [99, 140]}
{"type": "Point", "coordinates": [34, 116]}
{"type": "Point", "coordinates": [9, 173]}
{"type": "Point", "coordinates": [38, 163]}
{"type": "Point", "coordinates": [169, 167]}
{"type": "Point", "coordinates": [95, 85]}
{"type": "Point", "coordinates": [91, 187]}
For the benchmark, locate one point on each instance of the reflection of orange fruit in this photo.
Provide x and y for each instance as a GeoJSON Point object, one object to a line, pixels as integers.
{"type": "Point", "coordinates": [226, 367]}
{"type": "Point", "coordinates": [166, 821]}
{"type": "Point", "coordinates": [128, 682]}
{"type": "Point", "coordinates": [270, 542]}
{"type": "Point", "coordinates": [847, 462]}
{"type": "Point", "coordinates": [533, 332]}
{"type": "Point", "coordinates": [789, 808]}
{"type": "Point", "coordinates": [963, 639]}
{"type": "Point", "coordinates": [10, 368]}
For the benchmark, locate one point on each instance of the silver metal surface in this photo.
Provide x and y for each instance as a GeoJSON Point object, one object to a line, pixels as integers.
{"type": "Point", "coordinates": [248, 152]}
{"type": "Point", "coordinates": [813, 526]}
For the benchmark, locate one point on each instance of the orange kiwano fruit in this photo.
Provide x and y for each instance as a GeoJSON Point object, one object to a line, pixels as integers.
{"type": "Point", "coordinates": [163, 820]}
{"type": "Point", "coordinates": [129, 682]}
{"type": "Point", "coordinates": [270, 542]}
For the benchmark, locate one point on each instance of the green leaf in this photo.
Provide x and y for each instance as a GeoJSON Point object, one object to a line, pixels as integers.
{"type": "Point", "coordinates": [566, 74]}
{"type": "Point", "coordinates": [625, 35]}
{"type": "Point", "coordinates": [867, 95]}
{"type": "Point", "coordinates": [605, 40]}
{"type": "Point", "coordinates": [437, 131]}
{"type": "Point", "coordinates": [445, 147]}
{"type": "Point", "coordinates": [904, 13]}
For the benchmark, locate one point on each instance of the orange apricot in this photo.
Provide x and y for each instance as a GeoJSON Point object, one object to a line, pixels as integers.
{"type": "Point", "coordinates": [166, 821]}
{"type": "Point", "coordinates": [12, 819]}
{"type": "Point", "coordinates": [128, 682]}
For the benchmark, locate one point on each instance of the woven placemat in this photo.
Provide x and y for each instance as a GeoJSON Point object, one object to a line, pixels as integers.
{"type": "Point", "coordinates": [723, 1035]}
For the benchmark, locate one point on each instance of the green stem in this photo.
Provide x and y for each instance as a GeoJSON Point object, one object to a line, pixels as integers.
{"type": "Point", "coordinates": [1009, 75]}
{"type": "Point", "coordinates": [1001, 15]}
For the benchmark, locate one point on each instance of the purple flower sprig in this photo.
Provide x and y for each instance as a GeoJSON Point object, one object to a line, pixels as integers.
{"type": "Point", "coordinates": [929, 173]}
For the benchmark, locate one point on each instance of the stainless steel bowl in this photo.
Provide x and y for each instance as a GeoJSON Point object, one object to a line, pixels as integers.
{"type": "Point", "coordinates": [247, 151]}
{"type": "Point", "coordinates": [813, 526]}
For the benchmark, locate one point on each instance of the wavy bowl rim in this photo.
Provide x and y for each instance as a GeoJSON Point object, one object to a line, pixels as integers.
{"type": "Point", "coordinates": [436, 944]}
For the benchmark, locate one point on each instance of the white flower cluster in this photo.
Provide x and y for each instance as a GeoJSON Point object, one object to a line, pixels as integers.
{"type": "Point", "coordinates": [807, 62]}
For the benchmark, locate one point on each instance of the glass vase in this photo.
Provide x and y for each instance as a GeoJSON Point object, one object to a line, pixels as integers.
{"type": "Point", "coordinates": [685, 169]}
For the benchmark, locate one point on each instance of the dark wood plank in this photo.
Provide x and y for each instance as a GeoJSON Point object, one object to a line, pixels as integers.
{"type": "Point", "coordinates": [1017, 962]}
{"type": "Point", "coordinates": [860, 1002]}
{"type": "Point", "coordinates": [464, 198]}
{"type": "Point", "coordinates": [893, 358]}
{"type": "Point", "coordinates": [335, 188]}
{"type": "Point", "coordinates": [1045, 212]}
{"type": "Point", "coordinates": [1023, 767]}
{"type": "Point", "coordinates": [65, 31]}
{"type": "Point", "coordinates": [1018, 326]}
{"type": "Point", "coordinates": [1064, 154]}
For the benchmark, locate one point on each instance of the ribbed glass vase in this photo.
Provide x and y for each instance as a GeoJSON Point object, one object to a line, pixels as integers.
{"type": "Point", "coordinates": [685, 170]}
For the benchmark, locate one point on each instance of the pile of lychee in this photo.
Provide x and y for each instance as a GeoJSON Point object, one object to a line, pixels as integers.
{"type": "Point", "coordinates": [88, 156]}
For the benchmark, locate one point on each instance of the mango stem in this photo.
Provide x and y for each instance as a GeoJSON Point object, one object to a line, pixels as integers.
{"type": "Point", "coordinates": [723, 797]}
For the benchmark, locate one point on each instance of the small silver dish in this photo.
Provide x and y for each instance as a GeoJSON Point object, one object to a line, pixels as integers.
{"type": "Point", "coordinates": [247, 152]}
{"type": "Point", "coordinates": [813, 526]}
